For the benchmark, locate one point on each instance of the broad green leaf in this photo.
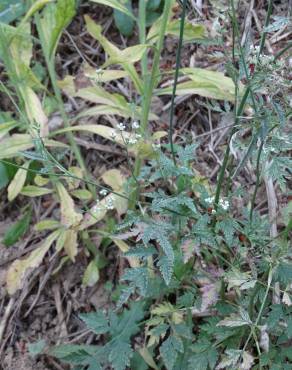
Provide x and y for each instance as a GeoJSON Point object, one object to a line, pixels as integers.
{"type": "Point", "coordinates": [11, 10]}
{"type": "Point", "coordinates": [81, 194]}
{"type": "Point", "coordinates": [18, 271]}
{"type": "Point", "coordinates": [124, 23]}
{"type": "Point", "coordinates": [69, 217]}
{"type": "Point", "coordinates": [115, 4]}
{"type": "Point", "coordinates": [13, 145]}
{"type": "Point", "coordinates": [47, 225]}
{"type": "Point", "coordinates": [17, 230]}
{"type": "Point", "coordinates": [17, 183]}
{"type": "Point", "coordinates": [91, 274]}
{"type": "Point", "coordinates": [35, 191]}
{"type": "Point", "coordinates": [70, 244]}
{"type": "Point", "coordinates": [54, 19]}
{"type": "Point", "coordinates": [210, 84]}
{"type": "Point", "coordinates": [191, 31]}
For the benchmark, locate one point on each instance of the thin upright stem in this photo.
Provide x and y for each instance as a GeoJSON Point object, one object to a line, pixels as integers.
{"type": "Point", "coordinates": [178, 59]}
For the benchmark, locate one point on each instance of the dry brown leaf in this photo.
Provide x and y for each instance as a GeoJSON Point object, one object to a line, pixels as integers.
{"type": "Point", "coordinates": [19, 268]}
{"type": "Point", "coordinates": [70, 244]}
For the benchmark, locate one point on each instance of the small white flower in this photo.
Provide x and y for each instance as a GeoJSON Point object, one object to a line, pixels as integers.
{"type": "Point", "coordinates": [213, 211]}
{"type": "Point", "coordinates": [132, 140]}
{"type": "Point", "coordinates": [121, 126]}
{"type": "Point", "coordinates": [109, 203]}
{"type": "Point", "coordinates": [103, 192]}
{"type": "Point", "coordinates": [210, 200]}
{"type": "Point", "coordinates": [135, 125]}
{"type": "Point", "coordinates": [224, 204]}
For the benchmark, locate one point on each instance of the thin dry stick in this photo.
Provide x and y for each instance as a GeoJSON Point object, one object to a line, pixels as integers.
{"type": "Point", "coordinates": [6, 316]}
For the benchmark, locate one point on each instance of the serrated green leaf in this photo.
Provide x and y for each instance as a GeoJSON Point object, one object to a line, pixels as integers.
{"type": "Point", "coordinates": [169, 351]}
{"type": "Point", "coordinates": [96, 321]}
{"type": "Point", "coordinates": [120, 355]}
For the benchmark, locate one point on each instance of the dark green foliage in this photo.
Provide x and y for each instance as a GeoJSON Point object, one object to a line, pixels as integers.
{"type": "Point", "coordinates": [119, 330]}
{"type": "Point", "coordinates": [124, 23]}
{"type": "Point", "coordinates": [17, 230]}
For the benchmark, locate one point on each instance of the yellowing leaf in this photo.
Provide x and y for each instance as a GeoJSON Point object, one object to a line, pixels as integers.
{"type": "Point", "coordinates": [18, 271]}
{"type": "Point", "coordinates": [91, 274]}
{"type": "Point", "coordinates": [123, 246]}
{"type": "Point", "coordinates": [17, 182]}
{"type": "Point", "coordinates": [16, 143]}
{"type": "Point", "coordinates": [54, 18]}
{"type": "Point", "coordinates": [131, 54]}
{"type": "Point", "coordinates": [35, 191]}
{"type": "Point", "coordinates": [114, 179]}
{"type": "Point", "coordinates": [35, 111]}
{"type": "Point", "coordinates": [69, 217]}
{"type": "Point", "coordinates": [70, 244]}
{"type": "Point", "coordinates": [47, 225]}
{"type": "Point", "coordinates": [81, 194]}
{"type": "Point", "coordinates": [5, 127]}
{"type": "Point", "coordinates": [116, 4]}
{"type": "Point", "coordinates": [94, 215]}
{"type": "Point", "coordinates": [104, 75]}
{"type": "Point", "coordinates": [104, 131]}
{"type": "Point", "coordinates": [146, 355]}
{"type": "Point", "coordinates": [210, 84]}
{"type": "Point", "coordinates": [40, 180]}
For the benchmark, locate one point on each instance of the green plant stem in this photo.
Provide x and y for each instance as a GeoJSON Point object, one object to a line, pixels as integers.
{"type": "Point", "coordinates": [53, 77]}
{"type": "Point", "coordinates": [257, 181]}
{"type": "Point", "coordinates": [142, 34]}
{"type": "Point", "coordinates": [267, 21]}
{"type": "Point", "coordinates": [149, 87]}
{"type": "Point", "coordinates": [178, 59]}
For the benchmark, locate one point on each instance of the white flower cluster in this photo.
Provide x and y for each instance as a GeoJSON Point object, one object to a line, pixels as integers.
{"type": "Point", "coordinates": [133, 139]}
{"type": "Point", "coordinates": [109, 203]}
{"type": "Point", "coordinates": [103, 192]}
{"type": "Point", "coordinates": [224, 204]}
